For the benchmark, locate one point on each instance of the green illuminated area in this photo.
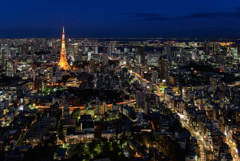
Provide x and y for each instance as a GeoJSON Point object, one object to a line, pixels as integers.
{"type": "Point", "coordinates": [47, 91]}
{"type": "Point", "coordinates": [162, 88]}
{"type": "Point", "coordinates": [103, 148]}
{"type": "Point", "coordinates": [32, 107]}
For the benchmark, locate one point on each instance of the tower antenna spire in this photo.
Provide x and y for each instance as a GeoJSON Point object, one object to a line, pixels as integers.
{"type": "Point", "coordinates": [63, 26]}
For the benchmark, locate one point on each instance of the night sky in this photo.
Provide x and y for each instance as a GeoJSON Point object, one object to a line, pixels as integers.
{"type": "Point", "coordinates": [125, 18]}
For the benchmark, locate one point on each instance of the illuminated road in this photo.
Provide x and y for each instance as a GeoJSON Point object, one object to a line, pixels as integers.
{"type": "Point", "coordinates": [114, 59]}
{"type": "Point", "coordinates": [232, 146]}
{"type": "Point", "coordinates": [159, 93]}
{"type": "Point", "coordinates": [234, 84]}
{"type": "Point", "coordinates": [83, 107]}
{"type": "Point", "coordinates": [158, 89]}
{"type": "Point", "coordinates": [233, 149]}
{"type": "Point", "coordinates": [110, 58]}
{"type": "Point", "coordinates": [203, 147]}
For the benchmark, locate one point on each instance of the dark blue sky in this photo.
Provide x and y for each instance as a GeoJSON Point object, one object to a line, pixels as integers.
{"type": "Point", "coordinates": [125, 18]}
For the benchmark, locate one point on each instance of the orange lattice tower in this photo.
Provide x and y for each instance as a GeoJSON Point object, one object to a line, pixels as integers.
{"type": "Point", "coordinates": [63, 64]}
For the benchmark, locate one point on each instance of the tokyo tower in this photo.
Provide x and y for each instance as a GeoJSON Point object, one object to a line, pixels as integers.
{"type": "Point", "coordinates": [63, 64]}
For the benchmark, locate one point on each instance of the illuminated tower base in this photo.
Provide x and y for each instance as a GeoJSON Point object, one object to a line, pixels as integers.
{"type": "Point", "coordinates": [63, 64]}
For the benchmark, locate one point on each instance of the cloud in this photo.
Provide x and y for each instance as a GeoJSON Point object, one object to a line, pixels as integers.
{"type": "Point", "coordinates": [151, 16]}
{"type": "Point", "coordinates": [238, 9]}
{"type": "Point", "coordinates": [201, 15]}
{"type": "Point", "coordinates": [235, 14]}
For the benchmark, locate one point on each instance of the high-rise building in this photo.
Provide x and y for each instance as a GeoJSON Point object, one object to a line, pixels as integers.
{"type": "Point", "coordinates": [96, 50]}
{"type": "Point", "coordinates": [206, 48]}
{"type": "Point", "coordinates": [168, 51]}
{"type": "Point", "coordinates": [104, 107]}
{"type": "Point", "coordinates": [56, 75]}
{"type": "Point", "coordinates": [181, 52]}
{"type": "Point", "coordinates": [104, 59]}
{"type": "Point", "coordinates": [4, 56]}
{"type": "Point", "coordinates": [86, 49]}
{"type": "Point", "coordinates": [63, 64]}
{"type": "Point", "coordinates": [215, 48]}
{"type": "Point", "coordinates": [110, 48]}
{"type": "Point", "coordinates": [139, 61]}
{"type": "Point", "coordinates": [89, 56]}
{"type": "Point", "coordinates": [75, 51]}
{"type": "Point", "coordinates": [194, 55]}
{"type": "Point", "coordinates": [10, 68]}
{"type": "Point", "coordinates": [98, 107]}
{"type": "Point", "coordinates": [154, 76]}
{"type": "Point", "coordinates": [147, 105]}
{"type": "Point", "coordinates": [66, 109]}
{"type": "Point", "coordinates": [126, 50]}
{"type": "Point", "coordinates": [139, 99]}
{"type": "Point", "coordinates": [164, 73]}
{"type": "Point", "coordinates": [141, 55]}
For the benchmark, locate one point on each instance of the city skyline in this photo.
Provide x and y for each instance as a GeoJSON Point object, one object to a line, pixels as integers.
{"type": "Point", "coordinates": [95, 19]}
{"type": "Point", "coordinates": [117, 96]}
{"type": "Point", "coordinates": [130, 80]}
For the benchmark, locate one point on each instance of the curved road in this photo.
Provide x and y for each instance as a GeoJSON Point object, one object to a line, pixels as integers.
{"type": "Point", "coordinates": [203, 147]}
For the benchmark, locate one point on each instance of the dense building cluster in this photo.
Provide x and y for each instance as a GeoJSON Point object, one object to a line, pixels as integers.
{"type": "Point", "coordinates": [99, 99]}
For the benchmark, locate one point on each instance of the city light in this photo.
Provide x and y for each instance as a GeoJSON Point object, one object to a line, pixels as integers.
{"type": "Point", "coordinates": [79, 98]}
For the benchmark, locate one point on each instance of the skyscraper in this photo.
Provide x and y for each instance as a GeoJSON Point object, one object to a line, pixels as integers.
{"type": "Point", "coordinates": [164, 70]}
{"type": "Point", "coordinates": [141, 55]}
{"type": "Point", "coordinates": [104, 59]}
{"type": "Point", "coordinates": [10, 68]}
{"type": "Point", "coordinates": [4, 56]}
{"type": "Point", "coordinates": [110, 48]}
{"type": "Point", "coordinates": [147, 104]}
{"type": "Point", "coordinates": [168, 51]}
{"type": "Point", "coordinates": [63, 64]}
{"type": "Point", "coordinates": [139, 99]}
{"type": "Point", "coordinates": [96, 50]}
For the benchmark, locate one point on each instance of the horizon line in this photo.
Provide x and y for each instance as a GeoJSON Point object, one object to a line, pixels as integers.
{"type": "Point", "coordinates": [149, 38]}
